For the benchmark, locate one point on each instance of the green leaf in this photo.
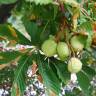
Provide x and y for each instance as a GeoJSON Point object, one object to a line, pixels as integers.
{"type": "Point", "coordinates": [22, 39]}
{"type": "Point", "coordinates": [6, 57]}
{"type": "Point", "coordinates": [87, 27]}
{"type": "Point", "coordinates": [20, 75]}
{"type": "Point", "coordinates": [84, 82]}
{"type": "Point", "coordinates": [33, 31]}
{"type": "Point", "coordinates": [55, 11]}
{"type": "Point", "coordinates": [89, 71]}
{"type": "Point", "coordinates": [40, 1]}
{"type": "Point", "coordinates": [62, 71]}
{"type": "Point", "coordinates": [94, 53]}
{"type": "Point", "coordinates": [7, 1]}
{"type": "Point", "coordinates": [50, 80]}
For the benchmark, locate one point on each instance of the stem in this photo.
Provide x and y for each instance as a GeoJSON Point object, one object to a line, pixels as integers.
{"type": "Point", "coordinates": [63, 24]}
{"type": "Point", "coordinates": [58, 36]}
{"type": "Point", "coordinates": [45, 27]}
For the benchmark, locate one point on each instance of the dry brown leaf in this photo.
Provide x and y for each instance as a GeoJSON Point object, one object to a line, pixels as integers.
{"type": "Point", "coordinates": [12, 42]}
{"type": "Point", "coordinates": [2, 66]}
{"type": "Point", "coordinates": [39, 77]}
{"type": "Point", "coordinates": [13, 62]}
{"type": "Point", "coordinates": [34, 68]}
{"type": "Point", "coordinates": [94, 39]}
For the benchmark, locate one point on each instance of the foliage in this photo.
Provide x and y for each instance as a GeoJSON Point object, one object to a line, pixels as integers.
{"type": "Point", "coordinates": [43, 19]}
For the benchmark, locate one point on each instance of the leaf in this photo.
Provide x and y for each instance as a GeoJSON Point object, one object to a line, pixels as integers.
{"type": "Point", "coordinates": [2, 66]}
{"type": "Point", "coordinates": [39, 77]}
{"type": "Point", "coordinates": [6, 32]}
{"type": "Point", "coordinates": [7, 1]}
{"type": "Point", "coordinates": [55, 11]}
{"type": "Point", "coordinates": [34, 68]}
{"type": "Point", "coordinates": [76, 13]}
{"type": "Point", "coordinates": [33, 31]}
{"type": "Point", "coordinates": [37, 34]}
{"type": "Point", "coordinates": [84, 82]}
{"type": "Point", "coordinates": [62, 71]}
{"type": "Point", "coordinates": [89, 71]}
{"type": "Point", "coordinates": [20, 73]}
{"type": "Point", "coordinates": [73, 3]}
{"type": "Point", "coordinates": [10, 33]}
{"type": "Point", "coordinates": [50, 80]}
{"type": "Point", "coordinates": [17, 90]}
{"type": "Point", "coordinates": [22, 39]}
{"type": "Point", "coordinates": [6, 57]}
{"type": "Point", "coordinates": [87, 26]}
{"type": "Point", "coordinates": [40, 1]}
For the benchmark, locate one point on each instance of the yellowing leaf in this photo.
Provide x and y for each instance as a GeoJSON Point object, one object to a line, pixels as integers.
{"type": "Point", "coordinates": [33, 17]}
{"type": "Point", "coordinates": [13, 32]}
{"type": "Point", "coordinates": [17, 90]}
{"type": "Point", "coordinates": [52, 93]}
{"type": "Point", "coordinates": [76, 13]}
{"type": "Point", "coordinates": [2, 38]}
{"type": "Point", "coordinates": [73, 3]}
{"type": "Point", "coordinates": [15, 62]}
{"type": "Point", "coordinates": [75, 24]}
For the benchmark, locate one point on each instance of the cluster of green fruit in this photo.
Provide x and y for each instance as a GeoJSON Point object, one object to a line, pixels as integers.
{"type": "Point", "coordinates": [50, 48]}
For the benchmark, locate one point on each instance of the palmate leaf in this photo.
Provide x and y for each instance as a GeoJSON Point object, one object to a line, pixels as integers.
{"type": "Point", "coordinates": [20, 75]}
{"type": "Point", "coordinates": [7, 1]}
{"type": "Point", "coordinates": [50, 80]}
{"type": "Point", "coordinates": [6, 57]}
{"type": "Point", "coordinates": [9, 33]}
{"type": "Point", "coordinates": [41, 1]}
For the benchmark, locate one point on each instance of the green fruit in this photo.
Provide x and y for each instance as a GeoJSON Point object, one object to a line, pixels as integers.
{"type": "Point", "coordinates": [77, 43]}
{"type": "Point", "coordinates": [74, 65]}
{"type": "Point", "coordinates": [49, 47]}
{"type": "Point", "coordinates": [63, 50]}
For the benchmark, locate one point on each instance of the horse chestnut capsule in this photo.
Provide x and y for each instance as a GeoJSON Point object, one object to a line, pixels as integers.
{"type": "Point", "coordinates": [74, 65]}
{"type": "Point", "coordinates": [63, 50]}
{"type": "Point", "coordinates": [49, 47]}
